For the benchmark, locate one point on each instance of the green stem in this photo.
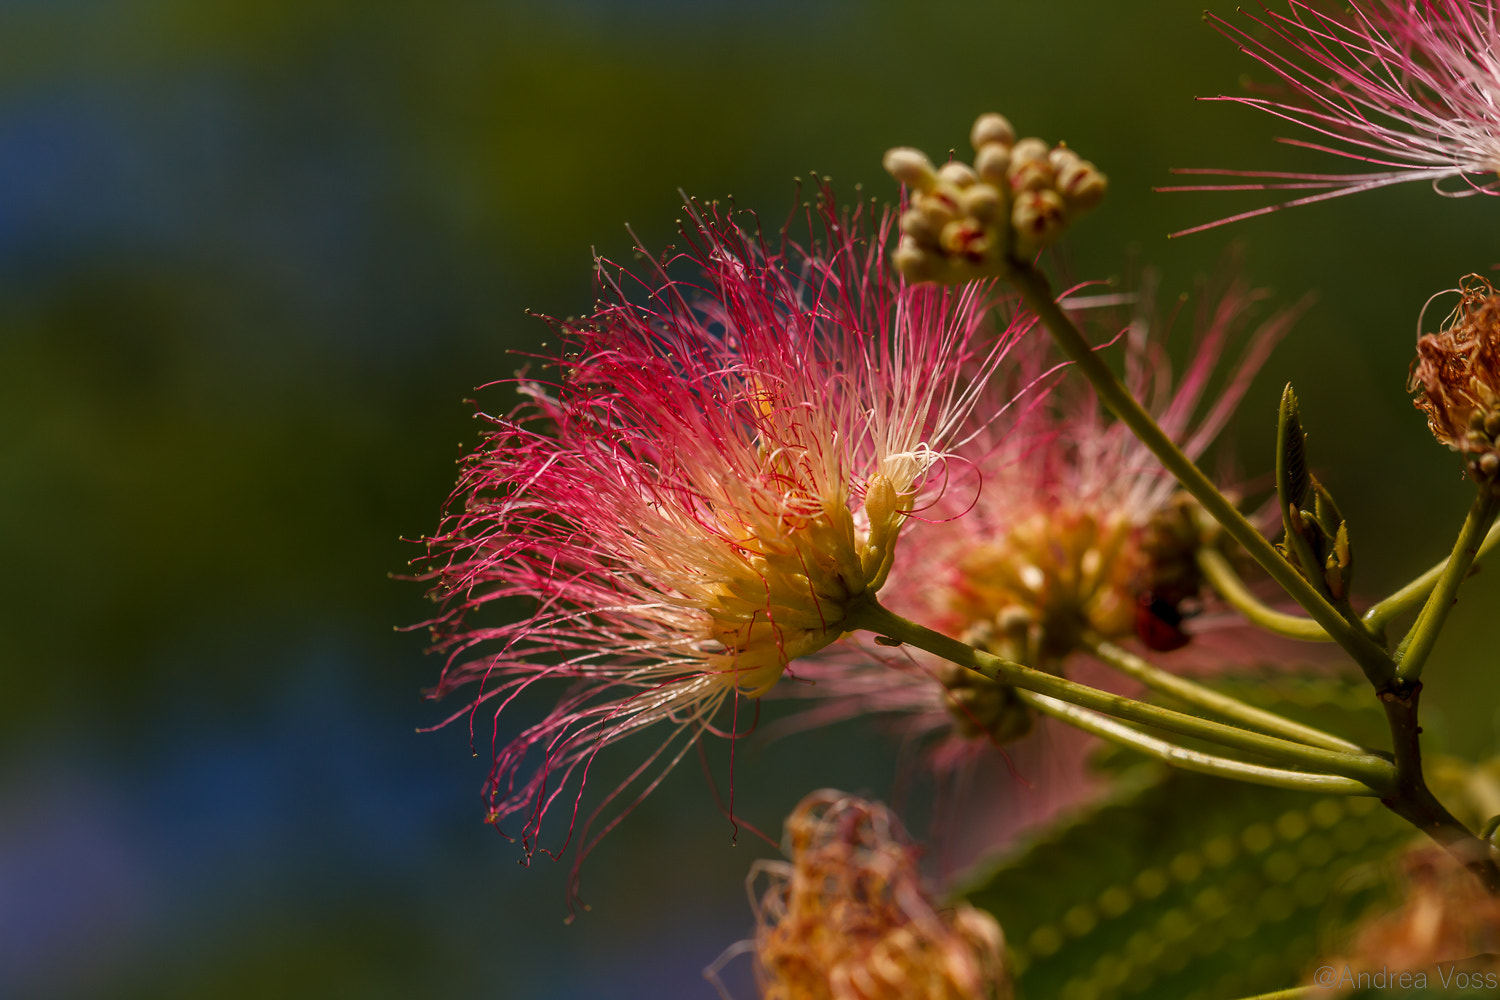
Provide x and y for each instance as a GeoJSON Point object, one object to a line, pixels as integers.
{"type": "Point", "coordinates": [1037, 294]}
{"type": "Point", "coordinates": [1230, 587]}
{"type": "Point", "coordinates": [1221, 704]}
{"type": "Point", "coordinates": [1415, 592]}
{"type": "Point", "coordinates": [1295, 993]}
{"type": "Point", "coordinates": [1190, 760]}
{"type": "Point", "coordinates": [868, 614]}
{"type": "Point", "coordinates": [1412, 654]}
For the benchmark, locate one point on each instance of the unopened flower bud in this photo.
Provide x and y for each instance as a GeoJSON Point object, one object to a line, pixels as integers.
{"type": "Point", "coordinates": [960, 175]}
{"type": "Point", "coordinates": [1038, 218]}
{"type": "Point", "coordinates": [921, 226]}
{"type": "Point", "coordinates": [1061, 156]}
{"type": "Point", "coordinates": [940, 203]}
{"type": "Point", "coordinates": [968, 222]}
{"type": "Point", "coordinates": [1030, 170]}
{"type": "Point", "coordinates": [880, 503]}
{"type": "Point", "coordinates": [991, 129]}
{"type": "Point", "coordinates": [916, 263]}
{"type": "Point", "coordinates": [1081, 183]}
{"type": "Point", "coordinates": [1030, 148]}
{"type": "Point", "coordinates": [966, 238]}
{"type": "Point", "coordinates": [992, 163]}
{"type": "Point", "coordinates": [911, 167]}
{"type": "Point", "coordinates": [982, 202]}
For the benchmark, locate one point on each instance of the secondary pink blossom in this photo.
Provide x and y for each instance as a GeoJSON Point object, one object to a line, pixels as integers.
{"type": "Point", "coordinates": [1076, 534]}
{"type": "Point", "coordinates": [725, 462]}
{"type": "Point", "coordinates": [1410, 87]}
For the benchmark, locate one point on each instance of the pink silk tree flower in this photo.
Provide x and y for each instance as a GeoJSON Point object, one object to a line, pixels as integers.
{"type": "Point", "coordinates": [725, 463]}
{"type": "Point", "coordinates": [1410, 87]}
{"type": "Point", "coordinates": [1075, 534]}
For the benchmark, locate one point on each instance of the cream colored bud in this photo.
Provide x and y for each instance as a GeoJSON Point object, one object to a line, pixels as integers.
{"type": "Point", "coordinates": [915, 263]}
{"type": "Point", "coordinates": [990, 129]}
{"type": "Point", "coordinates": [1033, 175]}
{"type": "Point", "coordinates": [880, 499]}
{"type": "Point", "coordinates": [1030, 149]}
{"type": "Point", "coordinates": [1039, 218]}
{"type": "Point", "coordinates": [1039, 211]}
{"type": "Point", "coordinates": [1030, 170]}
{"type": "Point", "coordinates": [921, 227]}
{"type": "Point", "coordinates": [911, 167]}
{"type": "Point", "coordinates": [940, 205]}
{"type": "Point", "coordinates": [960, 175]}
{"type": "Point", "coordinates": [966, 238]}
{"type": "Point", "coordinates": [982, 202]}
{"type": "Point", "coordinates": [1061, 156]}
{"type": "Point", "coordinates": [992, 163]}
{"type": "Point", "coordinates": [1082, 185]}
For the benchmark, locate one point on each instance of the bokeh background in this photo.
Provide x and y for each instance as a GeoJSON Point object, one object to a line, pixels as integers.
{"type": "Point", "coordinates": [254, 257]}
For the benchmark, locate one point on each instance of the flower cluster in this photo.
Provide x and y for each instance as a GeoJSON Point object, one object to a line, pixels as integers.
{"type": "Point", "coordinates": [1405, 85]}
{"type": "Point", "coordinates": [1076, 535]}
{"type": "Point", "coordinates": [1457, 378]}
{"type": "Point", "coordinates": [849, 919]}
{"type": "Point", "coordinates": [723, 468]}
{"type": "Point", "coordinates": [966, 222]}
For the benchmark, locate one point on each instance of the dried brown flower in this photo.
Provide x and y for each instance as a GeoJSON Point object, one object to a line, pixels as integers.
{"type": "Point", "coordinates": [1445, 921]}
{"type": "Point", "coordinates": [1457, 378]}
{"type": "Point", "coordinates": [848, 918]}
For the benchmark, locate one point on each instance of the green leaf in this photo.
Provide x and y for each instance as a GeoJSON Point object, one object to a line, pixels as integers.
{"type": "Point", "coordinates": [1292, 480]}
{"type": "Point", "coordinates": [1324, 509]}
{"type": "Point", "coordinates": [1182, 885]}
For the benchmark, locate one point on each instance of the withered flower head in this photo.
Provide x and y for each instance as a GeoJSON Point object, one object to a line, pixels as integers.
{"type": "Point", "coordinates": [1444, 917]}
{"type": "Point", "coordinates": [1457, 378]}
{"type": "Point", "coordinates": [849, 919]}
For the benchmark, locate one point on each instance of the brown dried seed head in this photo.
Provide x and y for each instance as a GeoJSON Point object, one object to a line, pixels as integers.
{"type": "Point", "coordinates": [1456, 376]}
{"type": "Point", "coordinates": [849, 917]}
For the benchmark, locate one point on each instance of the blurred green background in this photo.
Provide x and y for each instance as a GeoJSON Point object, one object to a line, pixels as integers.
{"type": "Point", "coordinates": [255, 254]}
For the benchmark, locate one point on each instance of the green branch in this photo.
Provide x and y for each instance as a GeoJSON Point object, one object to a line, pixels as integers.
{"type": "Point", "coordinates": [1412, 654]}
{"type": "Point", "coordinates": [1190, 760]}
{"type": "Point", "coordinates": [1037, 294]}
{"type": "Point", "coordinates": [1221, 704]}
{"type": "Point", "coordinates": [1227, 582]}
{"type": "Point", "coordinates": [1413, 801]}
{"type": "Point", "coordinates": [1414, 593]}
{"type": "Point", "coordinates": [868, 614]}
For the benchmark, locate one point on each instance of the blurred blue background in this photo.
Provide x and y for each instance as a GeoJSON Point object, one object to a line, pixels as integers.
{"type": "Point", "coordinates": [254, 256]}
